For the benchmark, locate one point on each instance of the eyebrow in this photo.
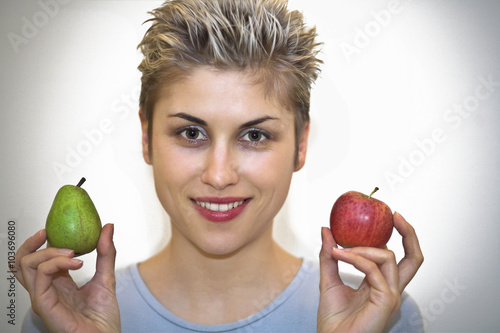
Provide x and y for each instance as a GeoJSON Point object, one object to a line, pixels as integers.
{"type": "Point", "coordinates": [189, 117]}
{"type": "Point", "coordinates": [257, 121]}
{"type": "Point", "coordinates": [199, 121]}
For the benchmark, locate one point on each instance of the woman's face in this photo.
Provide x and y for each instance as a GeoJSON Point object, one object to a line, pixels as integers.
{"type": "Point", "coordinates": [223, 156]}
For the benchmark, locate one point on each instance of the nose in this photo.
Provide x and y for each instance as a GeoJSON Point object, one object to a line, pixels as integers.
{"type": "Point", "coordinates": [221, 167]}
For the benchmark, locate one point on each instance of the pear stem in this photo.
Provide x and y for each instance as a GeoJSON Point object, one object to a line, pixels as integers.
{"type": "Point", "coordinates": [81, 182]}
{"type": "Point", "coordinates": [375, 190]}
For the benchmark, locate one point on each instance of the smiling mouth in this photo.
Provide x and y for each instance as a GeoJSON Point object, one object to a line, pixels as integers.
{"type": "Point", "coordinates": [219, 207]}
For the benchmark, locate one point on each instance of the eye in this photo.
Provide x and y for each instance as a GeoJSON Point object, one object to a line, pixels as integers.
{"type": "Point", "coordinates": [255, 135]}
{"type": "Point", "coordinates": [192, 133]}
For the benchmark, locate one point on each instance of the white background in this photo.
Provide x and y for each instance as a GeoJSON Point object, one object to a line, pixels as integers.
{"type": "Point", "coordinates": [396, 75]}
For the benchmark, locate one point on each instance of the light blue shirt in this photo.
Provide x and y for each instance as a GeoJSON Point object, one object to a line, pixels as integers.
{"type": "Point", "coordinates": [294, 310]}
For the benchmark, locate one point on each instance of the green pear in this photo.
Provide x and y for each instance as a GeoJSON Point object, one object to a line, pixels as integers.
{"type": "Point", "coordinates": [73, 221]}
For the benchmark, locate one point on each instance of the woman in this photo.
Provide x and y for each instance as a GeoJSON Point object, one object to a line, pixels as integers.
{"type": "Point", "coordinates": [224, 113]}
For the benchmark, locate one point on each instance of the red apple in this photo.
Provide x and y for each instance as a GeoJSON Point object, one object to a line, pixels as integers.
{"type": "Point", "coordinates": [360, 220]}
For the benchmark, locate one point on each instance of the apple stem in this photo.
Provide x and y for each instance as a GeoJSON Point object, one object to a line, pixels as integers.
{"type": "Point", "coordinates": [375, 190]}
{"type": "Point", "coordinates": [81, 182]}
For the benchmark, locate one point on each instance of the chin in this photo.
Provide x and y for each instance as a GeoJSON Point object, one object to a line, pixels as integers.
{"type": "Point", "coordinates": [221, 245]}
{"type": "Point", "coordinates": [222, 240]}
{"type": "Point", "coordinates": [219, 249]}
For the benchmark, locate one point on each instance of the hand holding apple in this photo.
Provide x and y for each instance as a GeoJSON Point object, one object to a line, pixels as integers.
{"type": "Point", "coordinates": [357, 219]}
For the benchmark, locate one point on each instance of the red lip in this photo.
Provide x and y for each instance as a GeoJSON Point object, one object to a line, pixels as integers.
{"type": "Point", "coordinates": [220, 216]}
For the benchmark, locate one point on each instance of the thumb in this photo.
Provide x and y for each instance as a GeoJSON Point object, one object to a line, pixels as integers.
{"type": "Point", "coordinates": [106, 255]}
{"type": "Point", "coordinates": [329, 269]}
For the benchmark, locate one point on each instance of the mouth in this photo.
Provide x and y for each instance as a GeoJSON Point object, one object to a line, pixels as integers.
{"type": "Point", "coordinates": [220, 209]}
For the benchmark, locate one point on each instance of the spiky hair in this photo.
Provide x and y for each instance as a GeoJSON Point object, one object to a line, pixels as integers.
{"type": "Point", "coordinates": [259, 36]}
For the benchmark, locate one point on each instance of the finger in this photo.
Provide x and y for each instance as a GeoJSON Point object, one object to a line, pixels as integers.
{"type": "Point", "coordinates": [31, 262]}
{"type": "Point", "coordinates": [386, 261]}
{"type": "Point", "coordinates": [45, 297]}
{"type": "Point", "coordinates": [106, 256]}
{"type": "Point", "coordinates": [43, 292]}
{"type": "Point", "coordinates": [413, 258]}
{"type": "Point", "coordinates": [373, 274]}
{"type": "Point", "coordinates": [380, 293]}
{"type": "Point", "coordinates": [329, 270]}
{"type": "Point", "coordinates": [29, 246]}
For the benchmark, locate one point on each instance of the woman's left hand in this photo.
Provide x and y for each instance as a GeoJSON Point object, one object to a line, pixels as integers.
{"type": "Point", "coordinates": [368, 308]}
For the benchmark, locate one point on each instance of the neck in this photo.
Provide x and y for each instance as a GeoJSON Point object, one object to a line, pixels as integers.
{"type": "Point", "coordinates": [260, 259]}
{"type": "Point", "coordinates": [191, 278]}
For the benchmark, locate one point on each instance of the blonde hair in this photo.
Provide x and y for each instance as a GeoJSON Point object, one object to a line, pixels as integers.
{"type": "Point", "coordinates": [259, 36]}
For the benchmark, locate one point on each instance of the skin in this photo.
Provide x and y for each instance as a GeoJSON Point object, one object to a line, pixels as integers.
{"type": "Point", "coordinates": [209, 266]}
{"type": "Point", "coordinates": [56, 298]}
{"type": "Point", "coordinates": [368, 308]}
{"type": "Point", "coordinates": [239, 259]}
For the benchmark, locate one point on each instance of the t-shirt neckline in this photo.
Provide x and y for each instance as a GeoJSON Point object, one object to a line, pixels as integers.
{"type": "Point", "coordinates": [150, 299]}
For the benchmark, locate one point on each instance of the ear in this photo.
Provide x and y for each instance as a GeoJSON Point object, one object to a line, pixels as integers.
{"type": "Point", "coordinates": [302, 148]}
{"type": "Point", "coordinates": [145, 139]}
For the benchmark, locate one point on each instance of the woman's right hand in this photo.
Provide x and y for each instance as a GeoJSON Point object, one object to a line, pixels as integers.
{"type": "Point", "coordinates": [55, 297]}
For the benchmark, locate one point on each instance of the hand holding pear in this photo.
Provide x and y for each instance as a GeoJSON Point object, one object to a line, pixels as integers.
{"type": "Point", "coordinates": [73, 221]}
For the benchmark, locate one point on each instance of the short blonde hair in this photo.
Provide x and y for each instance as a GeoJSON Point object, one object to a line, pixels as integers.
{"type": "Point", "coordinates": [259, 36]}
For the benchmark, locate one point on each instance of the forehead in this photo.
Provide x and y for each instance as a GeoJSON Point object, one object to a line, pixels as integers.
{"type": "Point", "coordinates": [212, 91]}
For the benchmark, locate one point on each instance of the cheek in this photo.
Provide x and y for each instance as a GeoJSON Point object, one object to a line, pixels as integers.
{"type": "Point", "coordinates": [270, 171]}
{"type": "Point", "coordinates": [173, 170]}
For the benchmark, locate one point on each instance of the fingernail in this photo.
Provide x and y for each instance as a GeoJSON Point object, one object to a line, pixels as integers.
{"type": "Point", "coordinates": [65, 251]}
{"type": "Point", "coordinates": [39, 232]}
{"type": "Point", "coordinates": [77, 261]}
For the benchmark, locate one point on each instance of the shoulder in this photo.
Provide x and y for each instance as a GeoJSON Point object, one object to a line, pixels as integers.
{"type": "Point", "coordinates": [305, 285]}
{"type": "Point", "coordinates": [300, 300]}
{"type": "Point", "coordinates": [125, 278]}
{"type": "Point", "coordinates": [131, 292]}
{"type": "Point", "coordinates": [140, 311]}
